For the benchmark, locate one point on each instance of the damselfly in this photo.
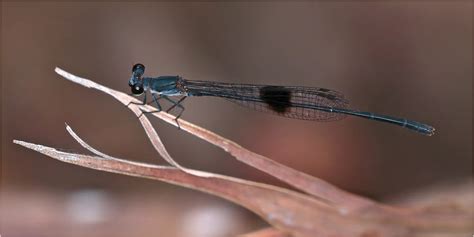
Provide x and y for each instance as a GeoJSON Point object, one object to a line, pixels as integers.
{"type": "Point", "coordinates": [307, 103]}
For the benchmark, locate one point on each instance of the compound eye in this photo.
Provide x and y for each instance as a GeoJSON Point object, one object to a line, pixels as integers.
{"type": "Point", "coordinates": [139, 69]}
{"type": "Point", "coordinates": [137, 90]}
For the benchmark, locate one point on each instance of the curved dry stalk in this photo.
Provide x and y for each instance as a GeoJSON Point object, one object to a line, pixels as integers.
{"type": "Point", "coordinates": [326, 211]}
{"type": "Point", "coordinates": [85, 145]}
{"type": "Point", "coordinates": [314, 186]}
{"type": "Point", "coordinates": [289, 211]}
{"type": "Point", "coordinates": [147, 126]}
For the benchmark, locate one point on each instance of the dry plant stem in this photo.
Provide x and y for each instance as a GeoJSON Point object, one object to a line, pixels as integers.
{"type": "Point", "coordinates": [147, 126]}
{"type": "Point", "coordinates": [286, 210]}
{"type": "Point", "coordinates": [306, 183]}
{"type": "Point", "coordinates": [334, 213]}
{"type": "Point", "coordinates": [267, 232]}
{"type": "Point", "coordinates": [85, 145]}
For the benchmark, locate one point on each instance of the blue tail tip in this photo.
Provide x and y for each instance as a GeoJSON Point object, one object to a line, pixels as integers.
{"type": "Point", "coordinates": [426, 130]}
{"type": "Point", "coordinates": [430, 131]}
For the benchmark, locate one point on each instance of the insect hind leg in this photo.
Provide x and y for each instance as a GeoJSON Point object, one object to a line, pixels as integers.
{"type": "Point", "coordinates": [176, 104]}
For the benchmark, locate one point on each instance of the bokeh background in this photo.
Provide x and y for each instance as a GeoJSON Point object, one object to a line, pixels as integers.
{"type": "Point", "coordinates": [405, 58]}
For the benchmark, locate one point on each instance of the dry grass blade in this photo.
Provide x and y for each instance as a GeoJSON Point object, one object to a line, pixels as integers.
{"type": "Point", "coordinates": [147, 126]}
{"type": "Point", "coordinates": [290, 212]}
{"type": "Point", "coordinates": [306, 183]}
{"type": "Point", "coordinates": [327, 211]}
{"type": "Point", "coordinates": [286, 210]}
{"type": "Point", "coordinates": [85, 145]}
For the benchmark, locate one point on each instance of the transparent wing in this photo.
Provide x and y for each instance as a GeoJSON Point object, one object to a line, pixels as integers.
{"type": "Point", "coordinates": [307, 103]}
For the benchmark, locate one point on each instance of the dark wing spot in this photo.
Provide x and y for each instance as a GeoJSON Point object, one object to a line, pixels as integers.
{"type": "Point", "coordinates": [324, 90]}
{"type": "Point", "coordinates": [277, 97]}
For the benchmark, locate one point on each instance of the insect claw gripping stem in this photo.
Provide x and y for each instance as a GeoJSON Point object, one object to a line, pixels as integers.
{"type": "Point", "coordinates": [177, 123]}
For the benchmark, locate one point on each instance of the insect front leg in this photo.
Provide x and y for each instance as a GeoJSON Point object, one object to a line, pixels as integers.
{"type": "Point", "coordinates": [135, 103]}
{"type": "Point", "coordinates": [158, 106]}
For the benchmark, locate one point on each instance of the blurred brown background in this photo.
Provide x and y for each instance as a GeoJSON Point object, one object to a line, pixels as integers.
{"type": "Point", "coordinates": [409, 59]}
